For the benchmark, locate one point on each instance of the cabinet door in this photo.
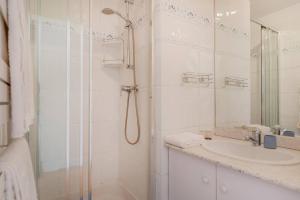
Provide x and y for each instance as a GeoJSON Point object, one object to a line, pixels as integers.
{"type": "Point", "coordinates": [190, 178]}
{"type": "Point", "coordinates": [233, 185]}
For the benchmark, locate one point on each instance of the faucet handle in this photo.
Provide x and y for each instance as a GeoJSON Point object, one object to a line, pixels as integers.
{"type": "Point", "coordinates": [255, 138]}
{"type": "Point", "coordinates": [255, 131]}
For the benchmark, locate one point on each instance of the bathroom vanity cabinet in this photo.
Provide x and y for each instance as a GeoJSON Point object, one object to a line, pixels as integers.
{"type": "Point", "coordinates": [191, 178]}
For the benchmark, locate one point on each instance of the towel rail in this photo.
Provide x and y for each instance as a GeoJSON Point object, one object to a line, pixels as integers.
{"type": "Point", "coordinates": [5, 82]}
{"type": "Point", "coordinates": [3, 12]}
{"type": "Point", "coordinates": [4, 103]}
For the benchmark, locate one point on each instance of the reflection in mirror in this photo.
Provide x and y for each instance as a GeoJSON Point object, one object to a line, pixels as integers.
{"type": "Point", "coordinates": [276, 67]}
{"type": "Point", "coordinates": [264, 76]}
{"type": "Point", "coordinates": [268, 61]}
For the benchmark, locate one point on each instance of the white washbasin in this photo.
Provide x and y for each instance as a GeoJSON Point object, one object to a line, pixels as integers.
{"type": "Point", "coordinates": [246, 152]}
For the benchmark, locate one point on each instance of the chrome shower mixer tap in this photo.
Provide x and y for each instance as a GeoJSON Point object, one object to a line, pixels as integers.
{"type": "Point", "coordinates": [255, 138]}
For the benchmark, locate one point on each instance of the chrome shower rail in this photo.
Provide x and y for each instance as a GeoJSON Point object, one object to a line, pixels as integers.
{"type": "Point", "coordinates": [198, 79]}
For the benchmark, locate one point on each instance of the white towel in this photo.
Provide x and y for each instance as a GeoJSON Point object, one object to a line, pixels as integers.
{"type": "Point", "coordinates": [16, 167]}
{"type": "Point", "coordinates": [21, 69]}
{"type": "Point", "coordinates": [185, 140]}
{"type": "Point", "coordinates": [298, 124]}
{"type": "Point", "coordinates": [262, 128]}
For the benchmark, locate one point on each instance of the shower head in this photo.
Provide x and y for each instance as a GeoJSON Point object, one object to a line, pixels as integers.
{"type": "Point", "coordinates": [109, 11]}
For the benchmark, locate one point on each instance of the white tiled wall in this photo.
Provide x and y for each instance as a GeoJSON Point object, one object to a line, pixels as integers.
{"type": "Point", "coordinates": [106, 99]}
{"type": "Point", "coordinates": [4, 77]}
{"type": "Point", "coordinates": [134, 160]}
{"type": "Point", "coordinates": [289, 85]}
{"type": "Point", "coordinates": [255, 73]}
{"type": "Point", "coordinates": [232, 59]}
{"type": "Point", "coordinates": [183, 42]}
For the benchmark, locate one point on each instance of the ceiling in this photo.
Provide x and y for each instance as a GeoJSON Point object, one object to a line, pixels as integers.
{"type": "Point", "coordinates": [281, 15]}
{"type": "Point", "coordinates": [261, 8]}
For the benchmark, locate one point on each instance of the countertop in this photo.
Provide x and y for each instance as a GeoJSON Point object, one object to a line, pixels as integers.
{"type": "Point", "coordinates": [287, 176]}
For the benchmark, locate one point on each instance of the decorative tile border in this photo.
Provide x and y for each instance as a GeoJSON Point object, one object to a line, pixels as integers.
{"type": "Point", "coordinates": [233, 31]}
{"type": "Point", "coordinates": [171, 7]}
{"type": "Point", "coordinates": [76, 28]}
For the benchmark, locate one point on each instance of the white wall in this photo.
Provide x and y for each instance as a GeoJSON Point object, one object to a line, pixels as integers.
{"type": "Point", "coordinates": [135, 160]}
{"type": "Point", "coordinates": [289, 82]}
{"type": "Point", "coordinates": [106, 99]}
{"type": "Point", "coordinates": [262, 8]}
{"type": "Point", "coordinates": [232, 59]}
{"type": "Point", "coordinates": [183, 42]}
{"type": "Point", "coordinates": [285, 19]}
{"type": "Point", "coordinates": [255, 76]}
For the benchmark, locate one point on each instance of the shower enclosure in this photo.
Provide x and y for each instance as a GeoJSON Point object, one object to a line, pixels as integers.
{"type": "Point", "coordinates": [264, 76]}
{"type": "Point", "coordinates": [86, 58]}
{"type": "Point", "coordinates": [130, 65]}
{"type": "Point", "coordinates": [270, 77]}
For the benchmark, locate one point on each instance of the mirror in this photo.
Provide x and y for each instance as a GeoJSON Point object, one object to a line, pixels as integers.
{"type": "Point", "coordinates": [257, 64]}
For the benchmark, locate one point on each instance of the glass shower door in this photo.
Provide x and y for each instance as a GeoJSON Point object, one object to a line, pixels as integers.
{"type": "Point", "coordinates": [63, 78]}
{"type": "Point", "coordinates": [270, 78]}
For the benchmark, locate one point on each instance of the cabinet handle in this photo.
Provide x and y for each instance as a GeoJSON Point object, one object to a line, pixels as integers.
{"type": "Point", "coordinates": [223, 189]}
{"type": "Point", "coordinates": [205, 180]}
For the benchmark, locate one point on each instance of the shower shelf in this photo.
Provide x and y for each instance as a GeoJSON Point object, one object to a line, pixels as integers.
{"type": "Point", "coordinates": [239, 82]}
{"type": "Point", "coordinates": [193, 78]}
{"type": "Point", "coordinates": [113, 52]}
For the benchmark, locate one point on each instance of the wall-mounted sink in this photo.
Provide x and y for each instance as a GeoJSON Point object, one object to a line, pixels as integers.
{"type": "Point", "coordinates": [246, 152]}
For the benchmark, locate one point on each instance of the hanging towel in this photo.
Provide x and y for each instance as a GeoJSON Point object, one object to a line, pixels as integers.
{"type": "Point", "coordinates": [17, 171]}
{"type": "Point", "coordinates": [21, 69]}
{"type": "Point", "coordinates": [298, 124]}
{"type": "Point", "coordinates": [185, 140]}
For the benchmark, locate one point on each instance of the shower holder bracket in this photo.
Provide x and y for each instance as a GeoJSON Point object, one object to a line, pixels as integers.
{"type": "Point", "coordinates": [129, 1]}
{"type": "Point", "coordinates": [130, 66]}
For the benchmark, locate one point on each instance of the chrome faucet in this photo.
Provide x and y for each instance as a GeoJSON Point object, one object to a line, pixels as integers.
{"type": "Point", "coordinates": [255, 138]}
